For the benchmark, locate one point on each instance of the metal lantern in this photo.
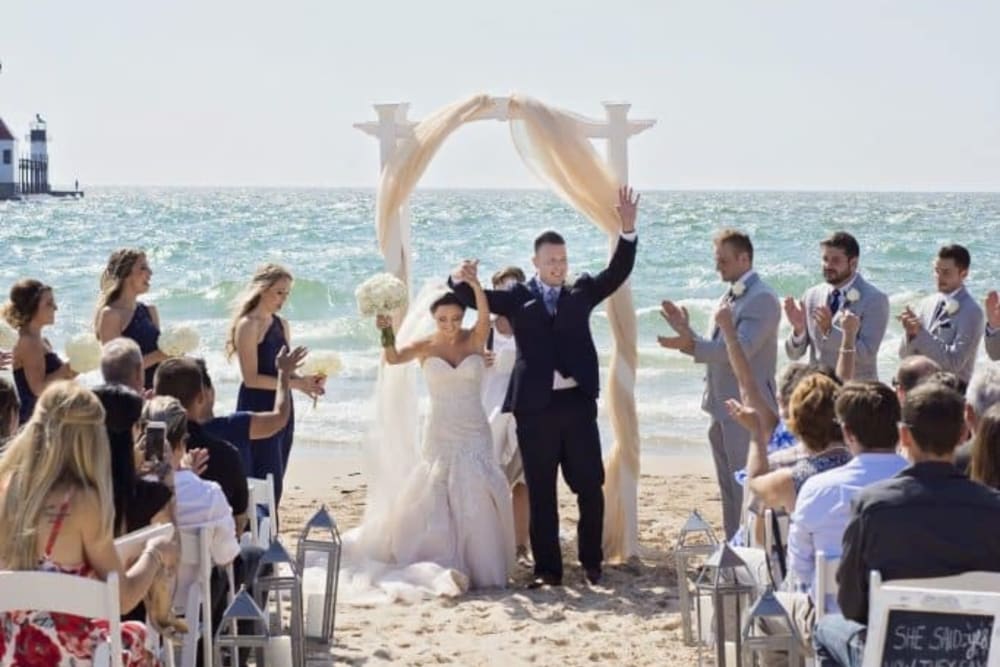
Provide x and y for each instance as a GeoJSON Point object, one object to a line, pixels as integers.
{"type": "Point", "coordinates": [243, 608]}
{"type": "Point", "coordinates": [781, 636]}
{"type": "Point", "coordinates": [320, 535]}
{"type": "Point", "coordinates": [720, 580]}
{"type": "Point", "coordinates": [696, 539]}
{"type": "Point", "coordinates": [271, 588]}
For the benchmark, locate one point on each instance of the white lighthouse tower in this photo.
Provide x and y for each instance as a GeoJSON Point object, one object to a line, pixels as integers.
{"type": "Point", "coordinates": [8, 163]}
{"type": "Point", "coordinates": [36, 177]}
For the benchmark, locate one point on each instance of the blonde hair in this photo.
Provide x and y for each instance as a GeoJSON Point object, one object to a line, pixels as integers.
{"type": "Point", "coordinates": [119, 267]}
{"type": "Point", "coordinates": [264, 278]}
{"type": "Point", "coordinates": [168, 410]}
{"type": "Point", "coordinates": [23, 301]}
{"type": "Point", "coordinates": [64, 443]}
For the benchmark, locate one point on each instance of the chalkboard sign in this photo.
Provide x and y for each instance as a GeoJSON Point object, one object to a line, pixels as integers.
{"type": "Point", "coordinates": [936, 639]}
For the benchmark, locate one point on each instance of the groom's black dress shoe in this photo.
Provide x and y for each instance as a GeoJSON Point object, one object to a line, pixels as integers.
{"type": "Point", "coordinates": [594, 575]}
{"type": "Point", "coordinates": [545, 580]}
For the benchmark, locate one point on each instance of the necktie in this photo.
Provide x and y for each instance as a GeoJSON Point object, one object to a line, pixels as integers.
{"type": "Point", "coordinates": [551, 298]}
{"type": "Point", "coordinates": [834, 301]}
{"type": "Point", "coordinates": [938, 311]}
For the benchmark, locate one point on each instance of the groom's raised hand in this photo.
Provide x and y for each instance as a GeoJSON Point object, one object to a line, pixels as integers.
{"type": "Point", "coordinates": [628, 207]}
{"type": "Point", "coordinates": [458, 275]}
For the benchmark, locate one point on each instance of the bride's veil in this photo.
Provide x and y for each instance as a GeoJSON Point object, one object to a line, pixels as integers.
{"type": "Point", "coordinates": [392, 447]}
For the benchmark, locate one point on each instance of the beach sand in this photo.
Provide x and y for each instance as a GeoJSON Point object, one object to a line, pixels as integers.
{"type": "Point", "coordinates": [630, 619]}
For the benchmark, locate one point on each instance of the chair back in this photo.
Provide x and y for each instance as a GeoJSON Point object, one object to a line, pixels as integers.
{"type": "Point", "coordinates": [67, 594]}
{"type": "Point", "coordinates": [262, 531]}
{"type": "Point", "coordinates": [824, 582]}
{"type": "Point", "coordinates": [198, 607]}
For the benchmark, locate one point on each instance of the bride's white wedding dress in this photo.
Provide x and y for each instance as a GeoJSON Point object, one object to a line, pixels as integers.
{"type": "Point", "coordinates": [446, 524]}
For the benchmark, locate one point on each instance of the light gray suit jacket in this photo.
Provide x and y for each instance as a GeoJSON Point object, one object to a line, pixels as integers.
{"type": "Point", "coordinates": [992, 340]}
{"type": "Point", "coordinates": [872, 306]}
{"type": "Point", "coordinates": [756, 313]}
{"type": "Point", "coordinates": [950, 340]}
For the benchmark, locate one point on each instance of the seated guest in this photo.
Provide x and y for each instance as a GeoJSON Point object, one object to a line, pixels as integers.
{"type": "Point", "coordinates": [868, 413]}
{"type": "Point", "coordinates": [181, 379]}
{"type": "Point", "coordinates": [32, 307]}
{"type": "Point", "coordinates": [982, 394]}
{"type": "Point", "coordinates": [927, 521]}
{"type": "Point", "coordinates": [10, 411]}
{"type": "Point", "coordinates": [240, 427]}
{"type": "Point", "coordinates": [138, 502]}
{"type": "Point", "coordinates": [121, 363]}
{"type": "Point", "coordinates": [911, 372]}
{"type": "Point", "coordinates": [56, 515]}
{"type": "Point", "coordinates": [200, 503]}
{"type": "Point", "coordinates": [985, 465]}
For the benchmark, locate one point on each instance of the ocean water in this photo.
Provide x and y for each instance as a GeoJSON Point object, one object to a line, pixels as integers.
{"type": "Point", "coordinates": [204, 244]}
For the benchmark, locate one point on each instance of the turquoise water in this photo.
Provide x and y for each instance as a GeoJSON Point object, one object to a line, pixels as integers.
{"type": "Point", "coordinates": [204, 244]}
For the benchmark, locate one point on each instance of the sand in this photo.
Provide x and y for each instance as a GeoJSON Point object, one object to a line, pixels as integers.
{"type": "Point", "coordinates": [629, 619]}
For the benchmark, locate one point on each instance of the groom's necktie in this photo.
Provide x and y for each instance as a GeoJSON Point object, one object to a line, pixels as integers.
{"type": "Point", "coordinates": [551, 298]}
{"type": "Point", "coordinates": [833, 301]}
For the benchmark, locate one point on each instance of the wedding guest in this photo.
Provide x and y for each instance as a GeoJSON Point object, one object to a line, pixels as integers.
{"type": "Point", "coordinates": [816, 319]}
{"type": "Point", "coordinates": [503, 350]}
{"type": "Point", "coordinates": [757, 314]}
{"type": "Point", "coordinates": [242, 427]}
{"type": "Point", "coordinates": [180, 378]}
{"type": "Point", "coordinates": [121, 363]}
{"type": "Point", "coordinates": [10, 411]}
{"type": "Point", "coordinates": [30, 308]}
{"type": "Point", "coordinates": [927, 521]}
{"type": "Point", "coordinates": [946, 326]}
{"type": "Point", "coordinates": [992, 337]}
{"type": "Point", "coordinates": [120, 313]}
{"type": "Point", "coordinates": [911, 372]}
{"type": "Point", "coordinates": [982, 394]}
{"type": "Point", "coordinates": [200, 503]}
{"type": "Point", "coordinates": [868, 413]}
{"type": "Point", "coordinates": [56, 515]}
{"type": "Point", "coordinates": [985, 464]}
{"type": "Point", "coordinates": [256, 335]}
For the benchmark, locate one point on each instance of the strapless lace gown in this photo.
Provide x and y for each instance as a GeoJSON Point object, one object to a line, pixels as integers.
{"type": "Point", "coordinates": [450, 527]}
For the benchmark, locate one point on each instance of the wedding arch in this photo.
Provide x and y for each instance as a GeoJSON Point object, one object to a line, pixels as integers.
{"type": "Point", "coordinates": [556, 146]}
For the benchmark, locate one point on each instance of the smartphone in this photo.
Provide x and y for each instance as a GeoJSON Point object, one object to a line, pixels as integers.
{"type": "Point", "coordinates": [156, 439]}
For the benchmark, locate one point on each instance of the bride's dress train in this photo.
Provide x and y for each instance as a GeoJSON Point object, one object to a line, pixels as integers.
{"type": "Point", "coordinates": [446, 524]}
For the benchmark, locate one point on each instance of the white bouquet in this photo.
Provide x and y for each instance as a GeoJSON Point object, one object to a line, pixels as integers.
{"type": "Point", "coordinates": [381, 294]}
{"type": "Point", "coordinates": [176, 341]}
{"type": "Point", "coordinates": [322, 362]}
{"type": "Point", "coordinates": [8, 337]}
{"type": "Point", "coordinates": [83, 352]}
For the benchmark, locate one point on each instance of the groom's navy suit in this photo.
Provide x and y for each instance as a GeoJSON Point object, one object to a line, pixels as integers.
{"type": "Point", "coordinates": [558, 426]}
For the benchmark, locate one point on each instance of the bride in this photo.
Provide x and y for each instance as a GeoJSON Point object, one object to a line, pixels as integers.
{"type": "Point", "coordinates": [438, 512]}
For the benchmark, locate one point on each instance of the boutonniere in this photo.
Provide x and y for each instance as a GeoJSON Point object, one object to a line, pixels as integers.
{"type": "Point", "coordinates": [852, 295]}
{"type": "Point", "coordinates": [950, 306]}
{"type": "Point", "coordinates": [737, 289]}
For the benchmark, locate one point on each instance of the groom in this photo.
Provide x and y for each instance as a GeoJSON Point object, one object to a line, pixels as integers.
{"type": "Point", "coordinates": [554, 386]}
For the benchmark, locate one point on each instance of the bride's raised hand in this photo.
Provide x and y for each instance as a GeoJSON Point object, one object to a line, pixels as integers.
{"type": "Point", "coordinates": [470, 272]}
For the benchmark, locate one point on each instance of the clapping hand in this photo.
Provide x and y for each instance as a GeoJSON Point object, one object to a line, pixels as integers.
{"type": "Point", "coordinates": [678, 319]}
{"type": "Point", "coordinates": [850, 324]}
{"type": "Point", "coordinates": [910, 321]}
{"type": "Point", "coordinates": [795, 311]}
{"type": "Point", "coordinates": [744, 415]}
{"type": "Point", "coordinates": [823, 317]}
{"type": "Point", "coordinates": [993, 309]}
{"type": "Point", "coordinates": [195, 460]}
{"type": "Point", "coordinates": [628, 207]}
{"type": "Point", "coordinates": [724, 318]}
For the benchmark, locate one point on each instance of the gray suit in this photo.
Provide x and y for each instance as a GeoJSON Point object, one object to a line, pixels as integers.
{"type": "Point", "coordinates": [872, 306]}
{"type": "Point", "coordinates": [952, 340]}
{"type": "Point", "coordinates": [756, 314]}
{"type": "Point", "coordinates": [992, 340]}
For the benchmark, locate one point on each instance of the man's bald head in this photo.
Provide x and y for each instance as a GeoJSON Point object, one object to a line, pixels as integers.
{"type": "Point", "coordinates": [912, 371]}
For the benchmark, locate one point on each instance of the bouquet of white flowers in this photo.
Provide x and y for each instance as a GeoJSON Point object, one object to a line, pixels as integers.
{"type": "Point", "coordinates": [322, 362]}
{"type": "Point", "coordinates": [381, 294]}
{"type": "Point", "coordinates": [176, 341]}
{"type": "Point", "coordinates": [83, 352]}
{"type": "Point", "coordinates": [8, 337]}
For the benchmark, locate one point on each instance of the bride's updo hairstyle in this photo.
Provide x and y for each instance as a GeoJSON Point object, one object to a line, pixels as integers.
{"type": "Point", "coordinates": [119, 268]}
{"type": "Point", "coordinates": [446, 299]}
{"type": "Point", "coordinates": [264, 278]}
{"type": "Point", "coordinates": [25, 297]}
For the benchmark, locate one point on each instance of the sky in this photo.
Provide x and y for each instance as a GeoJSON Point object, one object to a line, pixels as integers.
{"type": "Point", "coordinates": [747, 94]}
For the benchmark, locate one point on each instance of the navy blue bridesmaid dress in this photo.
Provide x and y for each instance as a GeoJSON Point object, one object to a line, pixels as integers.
{"type": "Point", "coordinates": [28, 399]}
{"type": "Point", "coordinates": [146, 334]}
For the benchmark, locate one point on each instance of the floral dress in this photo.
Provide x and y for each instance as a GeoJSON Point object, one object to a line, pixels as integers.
{"type": "Point", "coordinates": [49, 639]}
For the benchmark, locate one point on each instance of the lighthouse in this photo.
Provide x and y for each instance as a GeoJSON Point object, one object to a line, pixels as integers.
{"type": "Point", "coordinates": [8, 172]}
{"type": "Point", "coordinates": [35, 168]}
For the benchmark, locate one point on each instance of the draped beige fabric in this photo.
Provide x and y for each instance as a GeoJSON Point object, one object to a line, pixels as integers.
{"type": "Point", "coordinates": [552, 145]}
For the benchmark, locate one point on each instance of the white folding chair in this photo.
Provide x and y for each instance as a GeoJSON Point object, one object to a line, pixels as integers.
{"type": "Point", "coordinates": [824, 582]}
{"type": "Point", "coordinates": [262, 493]}
{"type": "Point", "coordinates": [68, 594]}
{"type": "Point", "coordinates": [198, 600]}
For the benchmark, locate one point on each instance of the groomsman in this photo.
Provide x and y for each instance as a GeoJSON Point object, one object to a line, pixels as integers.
{"type": "Point", "coordinates": [992, 338]}
{"type": "Point", "coordinates": [816, 318]}
{"type": "Point", "coordinates": [756, 313]}
{"type": "Point", "coordinates": [946, 326]}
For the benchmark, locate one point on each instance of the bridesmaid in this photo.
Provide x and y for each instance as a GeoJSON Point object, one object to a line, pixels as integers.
{"type": "Point", "coordinates": [120, 313]}
{"type": "Point", "coordinates": [256, 336]}
{"type": "Point", "coordinates": [30, 308]}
